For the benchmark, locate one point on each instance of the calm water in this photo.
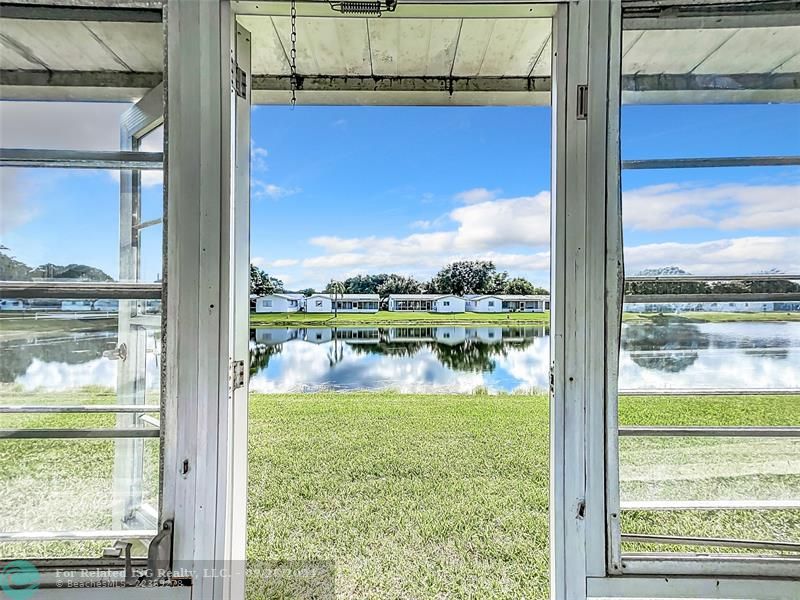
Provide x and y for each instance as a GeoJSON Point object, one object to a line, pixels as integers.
{"type": "Point", "coordinates": [460, 359]}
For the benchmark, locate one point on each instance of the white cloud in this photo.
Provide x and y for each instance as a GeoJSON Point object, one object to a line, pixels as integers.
{"type": "Point", "coordinates": [476, 195]}
{"type": "Point", "coordinates": [284, 262]}
{"type": "Point", "coordinates": [719, 257]}
{"type": "Point", "coordinates": [724, 207]}
{"type": "Point", "coordinates": [258, 158]}
{"type": "Point", "coordinates": [262, 189]}
{"type": "Point", "coordinates": [17, 206]}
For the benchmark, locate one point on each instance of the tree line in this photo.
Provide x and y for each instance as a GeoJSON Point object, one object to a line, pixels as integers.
{"type": "Point", "coordinates": [459, 278]}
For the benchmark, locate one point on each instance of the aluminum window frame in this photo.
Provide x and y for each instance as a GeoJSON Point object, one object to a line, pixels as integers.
{"type": "Point", "coordinates": [783, 572]}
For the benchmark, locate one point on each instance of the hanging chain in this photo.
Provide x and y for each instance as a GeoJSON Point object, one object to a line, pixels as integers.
{"type": "Point", "coordinates": [293, 54]}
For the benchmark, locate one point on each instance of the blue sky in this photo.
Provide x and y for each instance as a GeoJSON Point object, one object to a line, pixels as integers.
{"type": "Point", "coordinates": [344, 190]}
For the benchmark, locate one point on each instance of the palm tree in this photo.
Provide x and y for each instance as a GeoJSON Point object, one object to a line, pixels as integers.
{"type": "Point", "coordinates": [337, 290]}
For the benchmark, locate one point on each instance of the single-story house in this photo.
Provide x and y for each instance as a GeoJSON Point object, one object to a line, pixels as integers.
{"type": "Point", "coordinates": [451, 336]}
{"type": "Point", "coordinates": [349, 303]}
{"type": "Point", "coordinates": [438, 303]}
{"type": "Point", "coordinates": [486, 335]}
{"type": "Point", "coordinates": [76, 305]}
{"type": "Point", "coordinates": [277, 336]}
{"type": "Point", "coordinates": [12, 304]}
{"type": "Point", "coordinates": [488, 303]}
{"type": "Point", "coordinates": [279, 303]}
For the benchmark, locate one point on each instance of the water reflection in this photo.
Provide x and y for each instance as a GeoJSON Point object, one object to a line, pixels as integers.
{"type": "Point", "coordinates": [655, 355]}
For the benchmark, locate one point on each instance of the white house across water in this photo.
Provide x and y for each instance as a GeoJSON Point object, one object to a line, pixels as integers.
{"type": "Point", "coordinates": [438, 303]}
{"type": "Point", "coordinates": [349, 303]}
{"type": "Point", "coordinates": [279, 303]}
{"type": "Point", "coordinates": [492, 303]}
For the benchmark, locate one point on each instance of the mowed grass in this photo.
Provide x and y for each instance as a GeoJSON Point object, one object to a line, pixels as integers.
{"type": "Point", "coordinates": [385, 317]}
{"type": "Point", "coordinates": [415, 496]}
{"type": "Point", "coordinates": [429, 496]}
{"type": "Point", "coordinates": [409, 496]}
{"type": "Point", "coordinates": [711, 317]}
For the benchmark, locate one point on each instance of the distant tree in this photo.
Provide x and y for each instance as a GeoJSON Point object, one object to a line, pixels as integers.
{"type": "Point", "coordinates": [398, 284]}
{"type": "Point", "coordinates": [518, 286]}
{"type": "Point", "coordinates": [261, 283]}
{"type": "Point", "coordinates": [468, 277]}
{"type": "Point", "coordinates": [361, 284]}
{"type": "Point", "coordinates": [307, 291]}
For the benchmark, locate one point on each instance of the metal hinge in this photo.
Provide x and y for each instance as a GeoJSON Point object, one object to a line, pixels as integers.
{"type": "Point", "coordinates": [238, 80]}
{"type": "Point", "coordinates": [583, 102]}
{"type": "Point", "coordinates": [237, 374]}
{"type": "Point", "coordinates": [552, 380]}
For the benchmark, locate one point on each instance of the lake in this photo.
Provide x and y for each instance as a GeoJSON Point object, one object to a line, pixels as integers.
{"type": "Point", "coordinates": [435, 359]}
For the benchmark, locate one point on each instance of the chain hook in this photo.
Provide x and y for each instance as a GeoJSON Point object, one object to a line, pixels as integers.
{"type": "Point", "coordinates": [293, 54]}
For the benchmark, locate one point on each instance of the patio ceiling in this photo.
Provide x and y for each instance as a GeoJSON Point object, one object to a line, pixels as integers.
{"type": "Point", "coordinates": [404, 60]}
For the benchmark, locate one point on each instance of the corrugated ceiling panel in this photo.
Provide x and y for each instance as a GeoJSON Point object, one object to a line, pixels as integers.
{"type": "Point", "coordinates": [61, 45]}
{"type": "Point", "coordinates": [138, 45]}
{"type": "Point", "coordinates": [413, 47]}
{"type": "Point", "coordinates": [268, 56]}
{"type": "Point", "coordinates": [328, 46]}
{"type": "Point", "coordinates": [514, 46]}
{"type": "Point", "coordinates": [790, 66]}
{"type": "Point", "coordinates": [756, 50]}
{"type": "Point", "coordinates": [673, 51]}
{"type": "Point", "coordinates": [472, 45]}
{"type": "Point", "coordinates": [544, 66]}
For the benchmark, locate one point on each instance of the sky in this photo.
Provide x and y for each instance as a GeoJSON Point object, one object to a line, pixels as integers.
{"type": "Point", "coordinates": [338, 191]}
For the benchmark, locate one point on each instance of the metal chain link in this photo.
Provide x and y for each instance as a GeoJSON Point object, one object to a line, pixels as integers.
{"type": "Point", "coordinates": [293, 54]}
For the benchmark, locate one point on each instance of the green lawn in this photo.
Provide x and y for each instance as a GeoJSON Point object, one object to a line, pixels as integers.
{"type": "Point", "coordinates": [388, 318]}
{"type": "Point", "coordinates": [711, 317]}
{"type": "Point", "coordinates": [421, 496]}
{"type": "Point", "coordinates": [423, 319]}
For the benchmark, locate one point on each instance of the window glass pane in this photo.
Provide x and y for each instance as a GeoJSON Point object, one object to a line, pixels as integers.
{"type": "Point", "coordinates": [707, 346]}
{"type": "Point", "coordinates": [78, 355]}
{"type": "Point", "coordinates": [64, 224]}
{"type": "Point", "coordinates": [61, 125]}
{"type": "Point", "coordinates": [695, 93]}
{"type": "Point", "coordinates": [70, 485]}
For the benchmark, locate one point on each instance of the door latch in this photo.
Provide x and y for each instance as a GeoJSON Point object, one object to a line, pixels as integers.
{"type": "Point", "coordinates": [583, 102]}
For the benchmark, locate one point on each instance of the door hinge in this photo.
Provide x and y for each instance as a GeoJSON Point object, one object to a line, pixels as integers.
{"type": "Point", "coordinates": [583, 102]}
{"type": "Point", "coordinates": [237, 374]}
{"type": "Point", "coordinates": [552, 380]}
{"type": "Point", "coordinates": [238, 80]}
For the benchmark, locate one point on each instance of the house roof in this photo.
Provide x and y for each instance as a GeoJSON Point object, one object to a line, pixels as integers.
{"type": "Point", "coordinates": [282, 295]}
{"type": "Point", "coordinates": [421, 296]}
{"type": "Point", "coordinates": [507, 297]}
{"type": "Point", "coordinates": [347, 296]}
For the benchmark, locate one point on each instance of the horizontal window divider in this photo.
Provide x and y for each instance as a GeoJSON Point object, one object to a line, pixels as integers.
{"type": "Point", "coordinates": [80, 159]}
{"type": "Point", "coordinates": [701, 163]}
{"type": "Point", "coordinates": [706, 298]}
{"type": "Point", "coordinates": [74, 408]}
{"type": "Point", "coordinates": [702, 278]}
{"type": "Point", "coordinates": [146, 224]}
{"type": "Point", "coordinates": [670, 505]}
{"type": "Point", "coordinates": [705, 565]}
{"type": "Point", "coordinates": [105, 290]}
{"type": "Point", "coordinates": [100, 534]}
{"type": "Point", "coordinates": [78, 434]}
{"type": "Point", "coordinates": [711, 392]}
{"type": "Point", "coordinates": [708, 431]}
{"type": "Point", "coordinates": [715, 542]}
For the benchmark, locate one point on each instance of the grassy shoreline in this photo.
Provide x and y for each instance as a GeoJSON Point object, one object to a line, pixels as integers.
{"type": "Point", "coordinates": [423, 319]}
